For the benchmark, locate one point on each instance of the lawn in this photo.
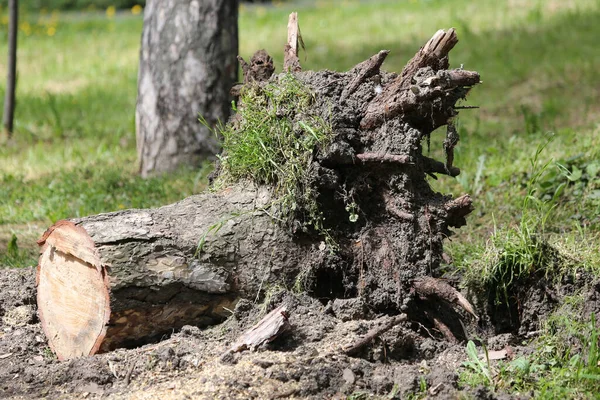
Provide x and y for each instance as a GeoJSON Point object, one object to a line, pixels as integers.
{"type": "Point", "coordinates": [73, 151]}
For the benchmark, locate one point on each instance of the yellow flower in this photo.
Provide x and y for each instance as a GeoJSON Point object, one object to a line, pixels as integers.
{"type": "Point", "coordinates": [137, 9]}
{"type": "Point", "coordinates": [51, 31]}
{"type": "Point", "coordinates": [110, 11]}
{"type": "Point", "coordinates": [26, 28]}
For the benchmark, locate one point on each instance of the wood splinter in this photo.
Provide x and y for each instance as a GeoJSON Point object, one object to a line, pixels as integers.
{"type": "Point", "coordinates": [266, 330]}
{"type": "Point", "coordinates": [291, 62]}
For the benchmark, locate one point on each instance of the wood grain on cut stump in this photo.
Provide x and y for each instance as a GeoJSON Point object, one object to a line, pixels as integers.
{"type": "Point", "coordinates": [72, 296]}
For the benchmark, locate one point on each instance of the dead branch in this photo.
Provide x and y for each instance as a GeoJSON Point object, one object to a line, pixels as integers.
{"type": "Point", "coordinates": [429, 286]}
{"type": "Point", "coordinates": [266, 330]}
{"type": "Point", "coordinates": [291, 62]}
{"type": "Point", "coordinates": [373, 333]}
{"type": "Point", "coordinates": [365, 69]}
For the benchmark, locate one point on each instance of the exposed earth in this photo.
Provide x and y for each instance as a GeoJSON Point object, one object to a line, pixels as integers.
{"type": "Point", "coordinates": [308, 361]}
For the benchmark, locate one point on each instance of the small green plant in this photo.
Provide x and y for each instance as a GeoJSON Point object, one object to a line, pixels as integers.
{"type": "Point", "coordinates": [479, 372]}
{"type": "Point", "coordinates": [515, 254]}
{"type": "Point", "coordinates": [564, 364]}
{"type": "Point", "coordinates": [48, 354]}
{"type": "Point", "coordinates": [302, 282]}
{"type": "Point", "coordinates": [358, 396]}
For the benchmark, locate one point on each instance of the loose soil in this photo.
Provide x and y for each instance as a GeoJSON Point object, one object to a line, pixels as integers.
{"type": "Point", "coordinates": [305, 362]}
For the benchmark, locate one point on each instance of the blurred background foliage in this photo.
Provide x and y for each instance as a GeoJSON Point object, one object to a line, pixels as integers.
{"type": "Point", "coordinates": [38, 5]}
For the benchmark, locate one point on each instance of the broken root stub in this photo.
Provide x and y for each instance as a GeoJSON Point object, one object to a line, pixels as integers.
{"type": "Point", "coordinates": [428, 286]}
{"type": "Point", "coordinates": [357, 346]}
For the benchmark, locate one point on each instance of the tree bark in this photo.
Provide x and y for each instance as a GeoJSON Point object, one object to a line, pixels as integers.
{"type": "Point", "coordinates": [187, 67]}
{"type": "Point", "coordinates": [11, 79]}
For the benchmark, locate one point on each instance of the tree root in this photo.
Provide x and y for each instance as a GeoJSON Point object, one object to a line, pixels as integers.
{"type": "Point", "coordinates": [355, 347]}
{"type": "Point", "coordinates": [428, 286]}
{"type": "Point", "coordinates": [390, 206]}
{"type": "Point", "coordinates": [434, 166]}
{"type": "Point", "coordinates": [442, 328]}
{"type": "Point", "coordinates": [367, 69]}
{"type": "Point", "coordinates": [365, 158]}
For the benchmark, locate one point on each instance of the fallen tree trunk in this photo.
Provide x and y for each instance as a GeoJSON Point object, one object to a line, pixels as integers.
{"type": "Point", "coordinates": [362, 220]}
{"type": "Point", "coordinates": [110, 280]}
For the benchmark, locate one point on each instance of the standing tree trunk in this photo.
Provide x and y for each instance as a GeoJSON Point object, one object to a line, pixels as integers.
{"type": "Point", "coordinates": [187, 67]}
{"type": "Point", "coordinates": [11, 80]}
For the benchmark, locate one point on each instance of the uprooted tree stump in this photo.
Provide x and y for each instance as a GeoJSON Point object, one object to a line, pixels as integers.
{"type": "Point", "coordinates": [354, 217]}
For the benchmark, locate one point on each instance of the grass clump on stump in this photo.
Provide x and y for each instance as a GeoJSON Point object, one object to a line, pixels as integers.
{"type": "Point", "coordinates": [273, 140]}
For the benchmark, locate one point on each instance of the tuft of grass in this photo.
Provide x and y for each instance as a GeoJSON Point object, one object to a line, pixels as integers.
{"type": "Point", "coordinates": [273, 140]}
{"type": "Point", "coordinates": [514, 255]}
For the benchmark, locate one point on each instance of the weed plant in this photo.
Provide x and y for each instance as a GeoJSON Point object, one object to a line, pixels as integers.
{"type": "Point", "coordinates": [514, 255]}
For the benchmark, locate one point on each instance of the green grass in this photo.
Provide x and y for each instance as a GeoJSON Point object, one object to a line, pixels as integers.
{"type": "Point", "coordinates": [73, 152]}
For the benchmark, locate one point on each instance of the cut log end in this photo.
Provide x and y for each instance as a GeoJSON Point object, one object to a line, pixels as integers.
{"type": "Point", "coordinates": [73, 297]}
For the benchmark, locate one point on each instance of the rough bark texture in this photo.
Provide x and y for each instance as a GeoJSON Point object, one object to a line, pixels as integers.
{"type": "Point", "coordinates": [187, 67]}
{"type": "Point", "coordinates": [11, 77]}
